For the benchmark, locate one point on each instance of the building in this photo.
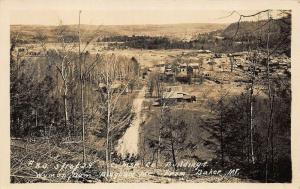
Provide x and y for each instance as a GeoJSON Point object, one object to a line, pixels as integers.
{"type": "Point", "coordinates": [160, 68]}
{"type": "Point", "coordinates": [174, 97]}
{"type": "Point", "coordinates": [182, 68]}
{"type": "Point", "coordinates": [204, 51]}
{"type": "Point", "coordinates": [169, 73]}
{"type": "Point", "coordinates": [116, 87]}
{"type": "Point", "coordinates": [182, 73]}
{"type": "Point", "coordinates": [194, 69]}
{"type": "Point", "coordinates": [186, 72]}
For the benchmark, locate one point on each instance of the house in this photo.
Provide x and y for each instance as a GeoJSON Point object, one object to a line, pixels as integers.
{"type": "Point", "coordinates": [178, 96]}
{"type": "Point", "coordinates": [187, 71]}
{"type": "Point", "coordinates": [169, 72]}
{"type": "Point", "coordinates": [145, 72]}
{"type": "Point", "coordinates": [204, 51]}
{"type": "Point", "coordinates": [236, 54]}
{"type": "Point", "coordinates": [182, 73]}
{"type": "Point", "coordinates": [263, 68]}
{"type": "Point", "coordinates": [207, 74]}
{"type": "Point", "coordinates": [183, 68]}
{"type": "Point", "coordinates": [34, 53]}
{"type": "Point", "coordinates": [218, 37]}
{"type": "Point", "coordinates": [174, 97]}
{"type": "Point", "coordinates": [194, 69]}
{"type": "Point", "coordinates": [211, 63]}
{"type": "Point", "coordinates": [160, 68]}
{"type": "Point", "coordinates": [217, 55]}
{"type": "Point", "coordinates": [115, 87]}
{"type": "Point", "coordinates": [168, 69]}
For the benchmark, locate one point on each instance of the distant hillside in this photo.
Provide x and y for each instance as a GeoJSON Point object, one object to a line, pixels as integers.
{"type": "Point", "coordinates": [279, 31]}
{"type": "Point", "coordinates": [239, 37]}
{"type": "Point", "coordinates": [29, 33]}
{"type": "Point", "coordinates": [257, 28]}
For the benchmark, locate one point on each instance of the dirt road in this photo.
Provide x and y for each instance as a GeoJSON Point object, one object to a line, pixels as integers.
{"type": "Point", "coordinates": [129, 142]}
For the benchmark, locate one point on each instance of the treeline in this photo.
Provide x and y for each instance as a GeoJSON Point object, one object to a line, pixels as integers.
{"type": "Point", "coordinates": [146, 42]}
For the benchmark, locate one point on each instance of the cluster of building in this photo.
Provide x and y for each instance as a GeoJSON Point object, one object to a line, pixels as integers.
{"type": "Point", "coordinates": [280, 65]}
{"type": "Point", "coordinates": [181, 72]}
{"type": "Point", "coordinates": [210, 67]}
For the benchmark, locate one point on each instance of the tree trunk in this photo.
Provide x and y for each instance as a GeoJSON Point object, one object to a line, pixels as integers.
{"type": "Point", "coordinates": [82, 119]}
{"type": "Point", "coordinates": [159, 134]}
{"type": "Point", "coordinates": [269, 140]}
{"type": "Point", "coordinates": [173, 156]}
{"type": "Point", "coordinates": [81, 90]}
{"type": "Point", "coordinates": [221, 135]}
{"type": "Point", "coordinates": [66, 109]}
{"type": "Point", "coordinates": [107, 153]}
{"type": "Point", "coordinates": [251, 117]}
{"type": "Point", "coordinates": [271, 98]}
{"type": "Point", "coordinates": [36, 118]}
{"type": "Point", "coordinates": [231, 64]}
{"type": "Point", "coordinates": [108, 130]}
{"type": "Point", "coordinates": [251, 126]}
{"type": "Point", "coordinates": [158, 149]}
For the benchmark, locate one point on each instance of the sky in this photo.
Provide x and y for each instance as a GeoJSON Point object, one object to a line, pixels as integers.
{"type": "Point", "coordinates": [126, 12]}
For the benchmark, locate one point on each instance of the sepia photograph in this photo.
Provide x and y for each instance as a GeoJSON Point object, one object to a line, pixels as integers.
{"type": "Point", "coordinates": [158, 95]}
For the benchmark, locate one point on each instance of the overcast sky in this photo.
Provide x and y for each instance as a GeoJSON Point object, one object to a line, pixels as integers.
{"type": "Point", "coordinates": [125, 12]}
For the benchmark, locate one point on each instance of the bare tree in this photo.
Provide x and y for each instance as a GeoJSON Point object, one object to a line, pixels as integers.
{"type": "Point", "coordinates": [65, 57]}
{"type": "Point", "coordinates": [115, 108]}
{"type": "Point", "coordinates": [84, 70]}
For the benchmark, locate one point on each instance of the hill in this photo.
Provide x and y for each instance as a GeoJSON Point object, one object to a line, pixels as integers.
{"type": "Point", "coordinates": [28, 33]}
